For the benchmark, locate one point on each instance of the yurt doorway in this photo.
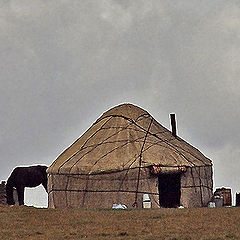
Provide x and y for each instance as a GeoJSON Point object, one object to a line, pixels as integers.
{"type": "Point", "coordinates": [169, 190]}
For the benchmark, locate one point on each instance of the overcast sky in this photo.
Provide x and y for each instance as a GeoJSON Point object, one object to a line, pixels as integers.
{"type": "Point", "coordinates": [63, 63]}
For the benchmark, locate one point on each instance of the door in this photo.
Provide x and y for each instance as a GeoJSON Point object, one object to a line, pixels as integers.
{"type": "Point", "coordinates": [169, 187]}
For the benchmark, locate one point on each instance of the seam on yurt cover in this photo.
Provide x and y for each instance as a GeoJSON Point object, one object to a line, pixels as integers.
{"type": "Point", "coordinates": [191, 154]}
{"type": "Point", "coordinates": [108, 142]}
{"type": "Point", "coordinates": [97, 144]}
{"type": "Point", "coordinates": [142, 116]}
{"type": "Point", "coordinates": [94, 147]}
{"type": "Point", "coordinates": [101, 144]}
{"type": "Point", "coordinates": [68, 149]}
{"type": "Point", "coordinates": [174, 146]}
{"type": "Point", "coordinates": [159, 144]}
{"type": "Point", "coordinates": [117, 141]}
{"type": "Point", "coordinates": [121, 116]}
{"type": "Point", "coordinates": [82, 145]}
{"type": "Point", "coordinates": [137, 157]}
{"type": "Point", "coordinates": [114, 149]}
{"type": "Point", "coordinates": [165, 141]}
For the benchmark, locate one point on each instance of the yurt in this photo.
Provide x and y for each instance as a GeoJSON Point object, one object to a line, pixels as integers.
{"type": "Point", "coordinates": [126, 155]}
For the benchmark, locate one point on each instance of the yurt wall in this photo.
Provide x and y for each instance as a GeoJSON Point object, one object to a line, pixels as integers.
{"type": "Point", "coordinates": [196, 186]}
{"type": "Point", "coordinates": [102, 190]}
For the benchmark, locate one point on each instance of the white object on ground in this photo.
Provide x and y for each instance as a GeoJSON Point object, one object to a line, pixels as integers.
{"type": "Point", "coordinates": [119, 206]}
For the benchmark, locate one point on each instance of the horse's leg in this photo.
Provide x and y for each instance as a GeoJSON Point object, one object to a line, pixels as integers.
{"type": "Point", "coordinates": [9, 191]}
{"type": "Point", "coordinates": [44, 183]}
{"type": "Point", "coordinates": [20, 192]}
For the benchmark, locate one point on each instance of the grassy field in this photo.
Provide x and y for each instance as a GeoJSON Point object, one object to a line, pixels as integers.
{"type": "Point", "coordinates": [36, 223]}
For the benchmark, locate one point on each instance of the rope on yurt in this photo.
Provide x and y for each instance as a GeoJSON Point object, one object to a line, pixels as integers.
{"type": "Point", "coordinates": [120, 186]}
{"type": "Point", "coordinates": [137, 157]}
{"type": "Point", "coordinates": [193, 179]}
{"type": "Point", "coordinates": [196, 186]}
{"type": "Point", "coordinates": [104, 191]}
{"type": "Point", "coordinates": [112, 190]}
{"type": "Point", "coordinates": [102, 128]}
{"type": "Point", "coordinates": [135, 123]}
{"type": "Point", "coordinates": [166, 141]}
{"type": "Point", "coordinates": [210, 192]}
{"type": "Point", "coordinates": [201, 185]}
{"type": "Point", "coordinates": [156, 201]}
{"type": "Point", "coordinates": [66, 197]}
{"type": "Point", "coordinates": [206, 181]}
{"type": "Point", "coordinates": [212, 179]}
{"type": "Point", "coordinates": [81, 147]}
{"type": "Point", "coordinates": [52, 186]}
{"type": "Point", "coordinates": [122, 129]}
{"type": "Point", "coordinates": [126, 143]}
{"type": "Point", "coordinates": [85, 192]}
{"type": "Point", "coordinates": [140, 163]}
{"type": "Point", "coordinates": [96, 146]}
{"type": "Point", "coordinates": [200, 181]}
{"type": "Point", "coordinates": [189, 153]}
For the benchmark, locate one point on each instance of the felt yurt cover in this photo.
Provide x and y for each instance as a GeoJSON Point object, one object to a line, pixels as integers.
{"type": "Point", "coordinates": [120, 157]}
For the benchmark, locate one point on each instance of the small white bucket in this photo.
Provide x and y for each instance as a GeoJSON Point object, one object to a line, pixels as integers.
{"type": "Point", "coordinates": [146, 201]}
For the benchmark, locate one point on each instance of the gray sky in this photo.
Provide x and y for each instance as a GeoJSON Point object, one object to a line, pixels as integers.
{"type": "Point", "coordinates": [63, 63]}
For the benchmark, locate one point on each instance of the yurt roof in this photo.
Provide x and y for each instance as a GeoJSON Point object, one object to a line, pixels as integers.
{"type": "Point", "coordinates": [126, 137]}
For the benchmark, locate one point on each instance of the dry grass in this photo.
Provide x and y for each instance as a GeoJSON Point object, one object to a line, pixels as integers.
{"type": "Point", "coordinates": [174, 224]}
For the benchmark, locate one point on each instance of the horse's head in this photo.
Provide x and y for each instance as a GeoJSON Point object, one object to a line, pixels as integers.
{"type": "Point", "coordinates": [42, 167]}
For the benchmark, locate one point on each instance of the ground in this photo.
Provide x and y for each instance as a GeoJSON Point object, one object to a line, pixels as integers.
{"type": "Point", "coordinates": [172, 224]}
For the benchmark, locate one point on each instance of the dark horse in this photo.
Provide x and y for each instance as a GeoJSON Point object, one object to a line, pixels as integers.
{"type": "Point", "coordinates": [22, 177]}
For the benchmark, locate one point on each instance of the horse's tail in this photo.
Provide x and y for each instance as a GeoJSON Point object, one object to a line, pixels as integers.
{"type": "Point", "coordinates": [9, 191]}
